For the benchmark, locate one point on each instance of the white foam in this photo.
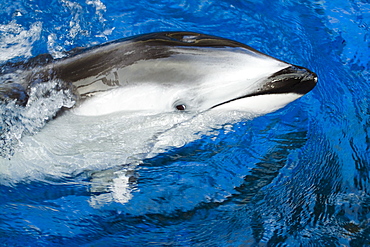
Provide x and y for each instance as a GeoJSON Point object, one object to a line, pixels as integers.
{"type": "Point", "coordinates": [17, 41]}
{"type": "Point", "coordinates": [71, 144]}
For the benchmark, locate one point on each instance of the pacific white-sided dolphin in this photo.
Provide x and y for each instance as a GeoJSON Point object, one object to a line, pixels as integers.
{"type": "Point", "coordinates": [137, 97]}
{"type": "Point", "coordinates": [164, 72]}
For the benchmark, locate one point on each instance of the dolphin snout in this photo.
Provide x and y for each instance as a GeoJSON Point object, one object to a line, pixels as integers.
{"type": "Point", "coordinates": [293, 79]}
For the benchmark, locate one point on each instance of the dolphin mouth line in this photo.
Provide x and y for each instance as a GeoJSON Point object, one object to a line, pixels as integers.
{"type": "Point", "coordinates": [294, 79]}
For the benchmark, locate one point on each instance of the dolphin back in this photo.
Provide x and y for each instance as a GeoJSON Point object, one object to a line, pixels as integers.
{"type": "Point", "coordinates": [80, 64]}
{"type": "Point", "coordinates": [124, 52]}
{"type": "Point", "coordinates": [96, 69]}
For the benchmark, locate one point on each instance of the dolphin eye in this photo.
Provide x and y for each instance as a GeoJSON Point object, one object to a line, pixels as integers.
{"type": "Point", "coordinates": [181, 107]}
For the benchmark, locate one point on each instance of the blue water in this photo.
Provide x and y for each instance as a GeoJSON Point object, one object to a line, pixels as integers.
{"type": "Point", "coordinates": [296, 177]}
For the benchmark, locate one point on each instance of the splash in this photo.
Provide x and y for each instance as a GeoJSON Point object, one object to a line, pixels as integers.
{"type": "Point", "coordinates": [45, 100]}
{"type": "Point", "coordinates": [16, 40]}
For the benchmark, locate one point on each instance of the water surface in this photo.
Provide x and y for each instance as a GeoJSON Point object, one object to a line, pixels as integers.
{"type": "Point", "coordinates": [296, 177]}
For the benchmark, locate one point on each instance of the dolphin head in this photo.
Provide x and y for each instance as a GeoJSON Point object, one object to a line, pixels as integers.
{"type": "Point", "coordinates": [181, 71]}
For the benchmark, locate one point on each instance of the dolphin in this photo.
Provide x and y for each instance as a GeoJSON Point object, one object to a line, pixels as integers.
{"type": "Point", "coordinates": [165, 72]}
{"type": "Point", "coordinates": [137, 97]}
